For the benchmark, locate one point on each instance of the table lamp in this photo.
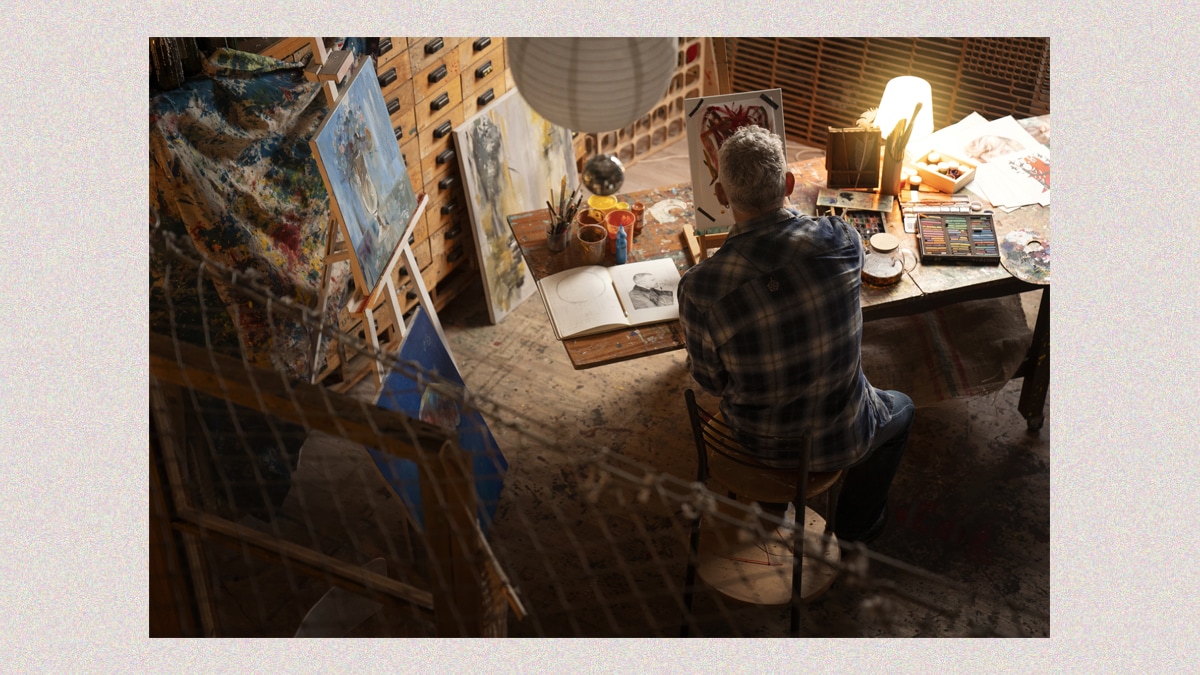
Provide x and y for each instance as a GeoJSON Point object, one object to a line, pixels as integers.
{"type": "Point", "coordinates": [900, 96]}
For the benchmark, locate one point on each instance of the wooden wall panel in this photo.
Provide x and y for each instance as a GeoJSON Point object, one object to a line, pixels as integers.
{"type": "Point", "coordinates": [829, 82]}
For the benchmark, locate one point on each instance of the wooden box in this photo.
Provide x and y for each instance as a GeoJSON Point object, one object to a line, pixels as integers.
{"type": "Point", "coordinates": [852, 158]}
{"type": "Point", "coordinates": [938, 180]}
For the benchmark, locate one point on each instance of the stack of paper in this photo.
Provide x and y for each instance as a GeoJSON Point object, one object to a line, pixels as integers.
{"type": "Point", "coordinates": [1012, 167]}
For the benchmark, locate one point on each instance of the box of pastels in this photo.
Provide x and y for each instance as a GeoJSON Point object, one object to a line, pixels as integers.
{"type": "Point", "coordinates": [943, 172]}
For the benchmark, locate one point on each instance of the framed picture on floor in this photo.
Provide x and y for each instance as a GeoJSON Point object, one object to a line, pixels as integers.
{"type": "Point", "coordinates": [436, 398]}
{"type": "Point", "coordinates": [510, 159]}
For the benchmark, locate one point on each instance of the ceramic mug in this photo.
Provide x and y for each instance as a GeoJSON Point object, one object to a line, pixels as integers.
{"type": "Point", "coordinates": [591, 244]}
{"type": "Point", "coordinates": [613, 221]}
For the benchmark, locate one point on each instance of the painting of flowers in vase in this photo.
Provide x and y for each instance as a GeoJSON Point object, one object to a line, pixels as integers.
{"type": "Point", "coordinates": [368, 184]}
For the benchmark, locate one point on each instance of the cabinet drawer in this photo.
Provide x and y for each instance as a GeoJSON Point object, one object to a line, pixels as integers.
{"type": "Point", "coordinates": [392, 47]}
{"type": "Point", "coordinates": [422, 253]}
{"type": "Point", "coordinates": [399, 98]}
{"type": "Point", "coordinates": [480, 71]}
{"type": "Point", "coordinates": [439, 102]}
{"type": "Point", "coordinates": [404, 124]}
{"type": "Point", "coordinates": [421, 231]}
{"type": "Point", "coordinates": [412, 164]}
{"type": "Point", "coordinates": [454, 233]}
{"type": "Point", "coordinates": [440, 266]}
{"type": "Point", "coordinates": [391, 77]}
{"type": "Point", "coordinates": [435, 166]}
{"type": "Point", "coordinates": [436, 75]}
{"type": "Point", "coordinates": [441, 215]}
{"type": "Point", "coordinates": [439, 135]}
{"type": "Point", "coordinates": [444, 185]}
{"type": "Point", "coordinates": [424, 51]}
{"type": "Point", "coordinates": [479, 49]}
{"type": "Point", "coordinates": [484, 96]}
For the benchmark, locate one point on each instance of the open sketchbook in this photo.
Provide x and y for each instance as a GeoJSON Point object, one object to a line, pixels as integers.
{"type": "Point", "coordinates": [594, 298]}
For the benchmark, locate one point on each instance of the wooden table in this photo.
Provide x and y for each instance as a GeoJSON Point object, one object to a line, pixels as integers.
{"type": "Point", "coordinates": [926, 288]}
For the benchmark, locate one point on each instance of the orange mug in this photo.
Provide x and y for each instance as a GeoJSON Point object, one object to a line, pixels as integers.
{"type": "Point", "coordinates": [614, 220]}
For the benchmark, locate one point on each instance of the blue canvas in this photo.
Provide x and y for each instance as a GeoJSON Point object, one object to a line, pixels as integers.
{"type": "Point", "coordinates": [401, 393]}
{"type": "Point", "coordinates": [360, 160]}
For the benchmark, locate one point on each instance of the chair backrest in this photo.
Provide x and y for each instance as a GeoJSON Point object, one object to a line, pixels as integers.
{"type": "Point", "coordinates": [711, 433]}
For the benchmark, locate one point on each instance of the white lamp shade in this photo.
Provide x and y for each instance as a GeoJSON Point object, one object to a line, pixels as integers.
{"type": "Point", "coordinates": [592, 85]}
{"type": "Point", "coordinates": [900, 96]}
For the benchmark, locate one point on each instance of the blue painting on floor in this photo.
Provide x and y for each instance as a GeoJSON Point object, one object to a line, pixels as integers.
{"type": "Point", "coordinates": [432, 398]}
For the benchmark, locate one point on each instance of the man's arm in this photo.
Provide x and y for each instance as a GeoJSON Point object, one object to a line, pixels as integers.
{"type": "Point", "coordinates": [704, 362]}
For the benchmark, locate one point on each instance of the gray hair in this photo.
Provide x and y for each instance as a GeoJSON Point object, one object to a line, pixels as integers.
{"type": "Point", "coordinates": [752, 167]}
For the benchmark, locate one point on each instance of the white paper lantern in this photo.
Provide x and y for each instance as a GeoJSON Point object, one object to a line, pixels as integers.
{"type": "Point", "coordinates": [592, 85]}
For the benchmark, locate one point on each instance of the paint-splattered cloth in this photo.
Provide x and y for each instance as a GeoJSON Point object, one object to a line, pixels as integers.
{"type": "Point", "coordinates": [231, 171]}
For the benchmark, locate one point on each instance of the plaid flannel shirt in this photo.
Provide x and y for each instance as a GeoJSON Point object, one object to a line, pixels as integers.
{"type": "Point", "coordinates": [773, 326]}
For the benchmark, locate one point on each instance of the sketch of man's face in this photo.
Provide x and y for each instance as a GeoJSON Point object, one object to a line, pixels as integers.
{"type": "Point", "coordinates": [989, 147]}
{"type": "Point", "coordinates": [645, 280]}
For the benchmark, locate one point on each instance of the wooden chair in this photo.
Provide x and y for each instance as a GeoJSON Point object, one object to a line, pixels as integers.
{"type": "Point", "coordinates": [748, 569]}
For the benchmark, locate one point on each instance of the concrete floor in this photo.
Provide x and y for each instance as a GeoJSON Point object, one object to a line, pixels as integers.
{"type": "Point", "coordinates": [589, 558]}
{"type": "Point", "coordinates": [971, 502]}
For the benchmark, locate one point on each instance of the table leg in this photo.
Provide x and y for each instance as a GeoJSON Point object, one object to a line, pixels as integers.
{"type": "Point", "coordinates": [1037, 368]}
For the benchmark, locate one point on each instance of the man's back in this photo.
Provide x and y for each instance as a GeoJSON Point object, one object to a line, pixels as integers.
{"type": "Point", "coordinates": [774, 326]}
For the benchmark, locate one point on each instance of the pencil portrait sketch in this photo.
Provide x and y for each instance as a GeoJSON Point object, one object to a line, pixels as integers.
{"type": "Point", "coordinates": [648, 291]}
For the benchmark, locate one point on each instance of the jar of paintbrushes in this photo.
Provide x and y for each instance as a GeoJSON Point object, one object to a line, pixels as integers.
{"type": "Point", "coordinates": [562, 209]}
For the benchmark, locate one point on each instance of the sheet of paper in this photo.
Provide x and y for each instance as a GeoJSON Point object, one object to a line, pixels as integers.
{"type": "Point", "coordinates": [1017, 178]}
{"type": "Point", "coordinates": [984, 142]}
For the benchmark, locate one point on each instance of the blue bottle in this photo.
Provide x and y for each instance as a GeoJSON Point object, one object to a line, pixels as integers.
{"type": "Point", "coordinates": [622, 245]}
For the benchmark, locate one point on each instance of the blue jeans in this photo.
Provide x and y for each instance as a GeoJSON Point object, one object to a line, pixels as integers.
{"type": "Point", "coordinates": [865, 490]}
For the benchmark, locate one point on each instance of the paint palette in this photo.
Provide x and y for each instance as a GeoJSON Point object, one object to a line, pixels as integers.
{"type": "Point", "coordinates": [866, 222]}
{"type": "Point", "coordinates": [953, 236]}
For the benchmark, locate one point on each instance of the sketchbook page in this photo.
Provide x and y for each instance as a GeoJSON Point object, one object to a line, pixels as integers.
{"type": "Point", "coordinates": [581, 300]}
{"type": "Point", "coordinates": [648, 289]}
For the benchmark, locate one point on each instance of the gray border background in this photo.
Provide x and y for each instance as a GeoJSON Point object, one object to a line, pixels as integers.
{"type": "Point", "coordinates": [73, 384]}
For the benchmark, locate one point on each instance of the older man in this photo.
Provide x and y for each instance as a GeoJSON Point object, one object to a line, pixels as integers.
{"type": "Point", "coordinates": [773, 326]}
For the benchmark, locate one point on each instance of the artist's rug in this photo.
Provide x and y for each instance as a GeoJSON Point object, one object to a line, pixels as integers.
{"type": "Point", "coordinates": [963, 350]}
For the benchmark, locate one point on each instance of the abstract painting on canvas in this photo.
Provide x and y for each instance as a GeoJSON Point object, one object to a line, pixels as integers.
{"type": "Point", "coordinates": [711, 120]}
{"type": "Point", "coordinates": [511, 158]}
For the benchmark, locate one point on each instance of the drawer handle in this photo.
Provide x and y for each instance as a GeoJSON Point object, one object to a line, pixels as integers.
{"type": "Point", "coordinates": [433, 45]}
{"type": "Point", "coordinates": [449, 207]}
{"type": "Point", "coordinates": [411, 295]}
{"type": "Point", "coordinates": [451, 234]}
{"type": "Point", "coordinates": [445, 156]}
{"type": "Point", "coordinates": [484, 70]}
{"type": "Point", "coordinates": [393, 106]}
{"type": "Point", "coordinates": [399, 132]}
{"type": "Point", "coordinates": [385, 45]}
{"type": "Point", "coordinates": [404, 270]}
{"type": "Point", "coordinates": [447, 182]}
{"type": "Point", "coordinates": [443, 129]}
{"type": "Point", "coordinates": [454, 255]}
{"type": "Point", "coordinates": [482, 43]}
{"type": "Point", "coordinates": [387, 78]}
{"type": "Point", "coordinates": [440, 102]}
{"type": "Point", "coordinates": [412, 239]}
{"type": "Point", "coordinates": [486, 97]}
{"type": "Point", "coordinates": [438, 74]}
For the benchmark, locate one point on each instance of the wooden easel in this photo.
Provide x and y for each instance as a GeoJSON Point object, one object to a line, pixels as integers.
{"type": "Point", "coordinates": [329, 68]}
{"type": "Point", "coordinates": [379, 312]}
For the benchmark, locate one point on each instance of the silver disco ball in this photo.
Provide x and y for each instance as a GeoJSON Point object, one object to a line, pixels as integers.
{"type": "Point", "coordinates": [603, 174]}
